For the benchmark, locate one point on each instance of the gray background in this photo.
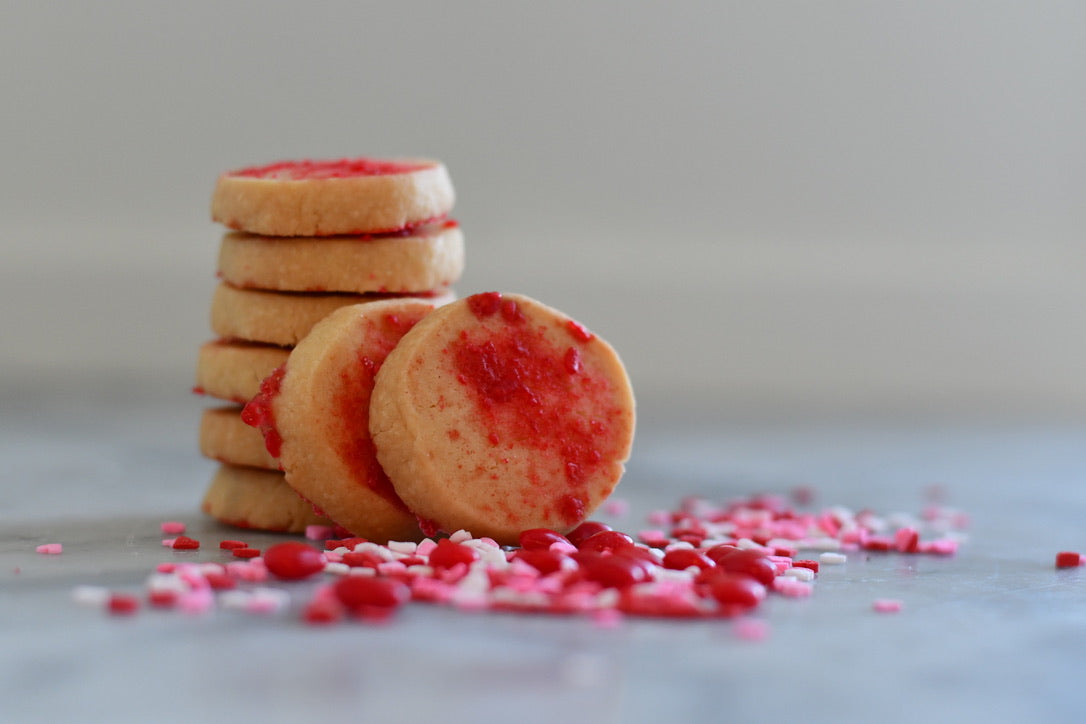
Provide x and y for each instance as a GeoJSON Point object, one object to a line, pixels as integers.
{"type": "Point", "coordinates": [768, 208]}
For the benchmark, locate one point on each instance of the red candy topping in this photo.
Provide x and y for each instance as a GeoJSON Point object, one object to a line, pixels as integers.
{"type": "Point", "coordinates": [362, 592]}
{"type": "Point", "coordinates": [307, 170]}
{"type": "Point", "coordinates": [184, 543]}
{"type": "Point", "coordinates": [1068, 559]}
{"type": "Point", "coordinates": [260, 414]}
{"type": "Point", "coordinates": [524, 389]}
{"type": "Point", "coordinates": [484, 304]}
{"type": "Point", "coordinates": [352, 409]}
{"type": "Point", "coordinates": [293, 560]}
{"type": "Point", "coordinates": [123, 604]}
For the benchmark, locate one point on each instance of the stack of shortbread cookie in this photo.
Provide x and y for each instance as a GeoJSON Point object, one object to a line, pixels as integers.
{"type": "Point", "coordinates": [307, 238]}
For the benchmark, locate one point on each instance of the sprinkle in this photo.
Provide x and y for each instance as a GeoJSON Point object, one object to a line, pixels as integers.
{"type": "Point", "coordinates": [268, 600]}
{"type": "Point", "coordinates": [184, 543]}
{"type": "Point", "coordinates": [172, 527]}
{"type": "Point", "coordinates": [123, 604]}
{"type": "Point", "coordinates": [318, 532]}
{"type": "Point", "coordinates": [196, 602]}
{"type": "Point", "coordinates": [607, 618]}
{"type": "Point", "coordinates": [616, 507]}
{"type": "Point", "coordinates": [246, 552]}
{"type": "Point", "coordinates": [1068, 559]}
{"type": "Point", "coordinates": [50, 549]}
{"type": "Point", "coordinates": [887, 605]}
{"type": "Point", "coordinates": [653, 537]}
{"type": "Point", "coordinates": [229, 545]}
{"type": "Point", "coordinates": [800, 573]}
{"type": "Point", "coordinates": [94, 596]}
{"type": "Point", "coordinates": [832, 559]}
{"type": "Point", "coordinates": [426, 547]}
{"type": "Point", "coordinates": [751, 629]}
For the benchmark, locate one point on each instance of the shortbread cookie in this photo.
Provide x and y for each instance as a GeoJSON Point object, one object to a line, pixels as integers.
{"type": "Point", "coordinates": [283, 318]}
{"type": "Point", "coordinates": [259, 499]}
{"type": "Point", "coordinates": [431, 257]}
{"type": "Point", "coordinates": [315, 415]}
{"type": "Point", "coordinates": [323, 198]}
{"type": "Point", "coordinates": [224, 437]}
{"type": "Point", "coordinates": [232, 370]}
{"type": "Point", "coordinates": [497, 414]}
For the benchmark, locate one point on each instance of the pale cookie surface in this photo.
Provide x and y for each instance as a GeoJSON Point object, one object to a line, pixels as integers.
{"type": "Point", "coordinates": [224, 437]}
{"type": "Point", "coordinates": [257, 499]}
{"type": "Point", "coordinates": [283, 318]}
{"type": "Point", "coordinates": [324, 198]}
{"type": "Point", "coordinates": [430, 258]}
{"type": "Point", "coordinates": [233, 371]}
{"type": "Point", "coordinates": [497, 414]}
{"type": "Point", "coordinates": [315, 416]}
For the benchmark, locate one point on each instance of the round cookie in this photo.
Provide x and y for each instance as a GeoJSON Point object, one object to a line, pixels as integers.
{"type": "Point", "coordinates": [314, 412]}
{"type": "Point", "coordinates": [282, 318]}
{"type": "Point", "coordinates": [233, 370]}
{"type": "Point", "coordinates": [324, 198]}
{"type": "Point", "coordinates": [224, 437]}
{"type": "Point", "coordinates": [431, 257]}
{"type": "Point", "coordinates": [497, 414]}
{"type": "Point", "coordinates": [257, 499]}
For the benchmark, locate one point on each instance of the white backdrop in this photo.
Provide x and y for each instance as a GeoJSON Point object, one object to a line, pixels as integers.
{"type": "Point", "coordinates": [777, 208]}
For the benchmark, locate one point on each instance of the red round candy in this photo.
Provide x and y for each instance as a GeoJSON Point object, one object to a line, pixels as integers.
{"type": "Point", "coordinates": [540, 539]}
{"type": "Point", "coordinates": [586, 530]}
{"type": "Point", "coordinates": [682, 558]}
{"type": "Point", "coordinates": [606, 541]}
{"type": "Point", "coordinates": [613, 571]}
{"type": "Point", "coordinates": [361, 592]}
{"type": "Point", "coordinates": [544, 561]}
{"type": "Point", "coordinates": [749, 563]}
{"type": "Point", "coordinates": [293, 560]}
{"type": "Point", "coordinates": [718, 552]}
{"type": "Point", "coordinates": [732, 589]}
{"type": "Point", "coordinates": [449, 554]}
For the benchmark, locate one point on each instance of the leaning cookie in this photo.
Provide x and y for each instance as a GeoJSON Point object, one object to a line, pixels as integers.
{"type": "Point", "coordinates": [497, 414]}
{"type": "Point", "coordinates": [314, 413]}
{"type": "Point", "coordinates": [431, 257]}
{"type": "Point", "coordinates": [257, 499]}
{"type": "Point", "coordinates": [323, 198]}
{"type": "Point", "coordinates": [283, 318]}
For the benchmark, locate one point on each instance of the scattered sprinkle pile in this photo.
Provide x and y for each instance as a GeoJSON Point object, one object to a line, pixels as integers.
{"type": "Point", "coordinates": [702, 560]}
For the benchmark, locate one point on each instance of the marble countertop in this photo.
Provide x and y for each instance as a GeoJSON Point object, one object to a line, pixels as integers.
{"type": "Point", "coordinates": [994, 633]}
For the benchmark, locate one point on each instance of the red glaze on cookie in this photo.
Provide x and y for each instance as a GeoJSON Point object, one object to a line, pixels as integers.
{"type": "Point", "coordinates": [338, 168]}
{"type": "Point", "coordinates": [260, 412]}
{"type": "Point", "coordinates": [352, 408]}
{"type": "Point", "coordinates": [307, 198]}
{"type": "Point", "coordinates": [524, 386]}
